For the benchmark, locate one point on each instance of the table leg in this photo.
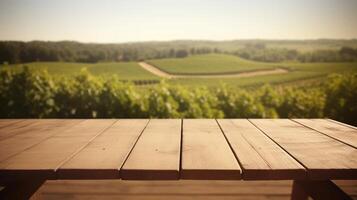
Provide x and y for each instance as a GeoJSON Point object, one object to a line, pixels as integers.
{"type": "Point", "coordinates": [325, 189]}
{"type": "Point", "coordinates": [21, 189]}
{"type": "Point", "coordinates": [298, 192]}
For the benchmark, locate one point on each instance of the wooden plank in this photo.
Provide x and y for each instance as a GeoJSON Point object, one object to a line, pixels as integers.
{"type": "Point", "coordinates": [45, 129]}
{"type": "Point", "coordinates": [44, 158]}
{"type": "Point", "coordinates": [324, 157]}
{"type": "Point", "coordinates": [259, 156]}
{"type": "Point", "coordinates": [20, 127]}
{"type": "Point", "coordinates": [344, 124]}
{"type": "Point", "coordinates": [8, 122]}
{"type": "Point", "coordinates": [337, 131]}
{"type": "Point", "coordinates": [160, 187]}
{"type": "Point", "coordinates": [105, 155]}
{"type": "Point", "coordinates": [166, 190]}
{"type": "Point", "coordinates": [182, 189]}
{"type": "Point", "coordinates": [157, 152]}
{"type": "Point", "coordinates": [206, 153]}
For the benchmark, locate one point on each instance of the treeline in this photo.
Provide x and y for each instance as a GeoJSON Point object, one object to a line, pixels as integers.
{"type": "Point", "coordinates": [259, 52]}
{"type": "Point", "coordinates": [29, 94]}
{"type": "Point", "coordinates": [23, 52]}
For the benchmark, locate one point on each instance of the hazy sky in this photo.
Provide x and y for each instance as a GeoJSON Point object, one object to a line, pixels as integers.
{"type": "Point", "coordinates": [134, 20]}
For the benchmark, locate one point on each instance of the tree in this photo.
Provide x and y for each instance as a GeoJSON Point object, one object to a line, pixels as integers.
{"type": "Point", "coordinates": [181, 53]}
{"type": "Point", "coordinates": [172, 53]}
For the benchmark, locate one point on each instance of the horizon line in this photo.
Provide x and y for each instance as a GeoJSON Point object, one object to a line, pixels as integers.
{"type": "Point", "coordinates": [180, 40]}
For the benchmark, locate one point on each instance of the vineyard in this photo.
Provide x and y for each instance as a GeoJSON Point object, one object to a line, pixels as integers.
{"type": "Point", "coordinates": [124, 70]}
{"type": "Point", "coordinates": [225, 64]}
{"type": "Point", "coordinates": [200, 81]}
{"type": "Point", "coordinates": [27, 93]}
{"type": "Point", "coordinates": [208, 64]}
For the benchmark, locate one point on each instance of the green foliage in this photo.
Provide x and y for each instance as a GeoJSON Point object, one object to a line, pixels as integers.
{"type": "Point", "coordinates": [119, 99]}
{"type": "Point", "coordinates": [341, 101]}
{"type": "Point", "coordinates": [85, 95]}
{"type": "Point", "coordinates": [26, 94]}
{"type": "Point", "coordinates": [34, 94]}
{"type": "Point", "coordinates": [161, 103]}
{"type": "Point", "coordinates": [270, 99]}
{"type": "Point", "coordinates": [259, 52]}
{"type": "Point", "coordinates": [67, 51]}
{"type": "Point", "coordinates": [239, 104]}
{"type": "Point", "coordinates": [299, 103]}
{"type": "Point", "coordinates": [196, 103]}
{"type": "Point", "coordinates": [174, 101]}
{"type": "Point", "coordinates": [267, 50]}
{"type": "Point", "coordinates": [181, 53]}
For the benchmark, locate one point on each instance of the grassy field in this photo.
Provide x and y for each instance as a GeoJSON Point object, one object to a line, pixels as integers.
{"type": "Point", "coordinates": [214, 63]}
{"type": "Point", "coordinates": [300, 72]}
{"type": "Point", "coordinates": [250, 81]}
{"type": "Point", "coordinates": [219, 63]}
{"type": "Point", "coordinates": [125, 71]}
{"type": "Point", "coordinates": [208, 64]}
{"type": "Point", "coordinates": [323, 68]}
{"type": "Point", "coordinates": [211, 63]}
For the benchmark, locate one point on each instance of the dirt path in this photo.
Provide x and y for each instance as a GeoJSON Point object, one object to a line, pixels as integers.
{"type": "Point", "coordinates": [163, 74]}
{"type": "Point", "coordinates": [155, 70]}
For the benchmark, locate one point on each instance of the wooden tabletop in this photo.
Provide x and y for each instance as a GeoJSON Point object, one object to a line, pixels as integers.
{"type": "Point", "coordinates": [224, 149]}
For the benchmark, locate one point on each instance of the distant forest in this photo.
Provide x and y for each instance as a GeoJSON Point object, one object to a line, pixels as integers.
{"type": "Point", "coordinates": [12, 52]}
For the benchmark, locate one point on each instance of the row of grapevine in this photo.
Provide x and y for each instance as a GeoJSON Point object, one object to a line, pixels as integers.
{"type": "Point", "coordinates": [34, 94]}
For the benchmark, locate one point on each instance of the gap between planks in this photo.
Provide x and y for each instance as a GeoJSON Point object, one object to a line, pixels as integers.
{"type": "Point", "coordinates": [103, 157]}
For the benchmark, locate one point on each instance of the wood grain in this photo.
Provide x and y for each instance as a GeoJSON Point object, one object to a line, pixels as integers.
{"type": "Point", "coordinates": [44, 158]}
{"type": "Point", "coordinates": [174, 190]}
{"type": "Point", "coordinates": [338, 131]}
{"type": "Point", "coordinates": [8, 122]}
{"type": "Point", "coordinates": [98, 148]}
{"type": "Point", "coordinates": [104, 156]}
{"type": "Point", "coordinates": [206, 153]}
{"type": "Point", "coordinates": [23, 127]}
{"type": "Point", "coordinates": [344, 124]}
{"type": "Point", "coordinates": [324, 157]}
{"type": "Point", "coordinates": [259, 156]}
{"type": "Point", "coordinates": [156, 155]}
{"type": "Point", "coordinates": [20, 142]}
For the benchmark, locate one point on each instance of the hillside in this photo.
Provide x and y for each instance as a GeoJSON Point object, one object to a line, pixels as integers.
{"type": "Point", "coordinates": [209, 64]}
{"type": "Point", "coordinates": [124, 70]}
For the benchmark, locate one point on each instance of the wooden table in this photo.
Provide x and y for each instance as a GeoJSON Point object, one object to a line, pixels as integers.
{"type": "Point", "coordinates": [312, 152]}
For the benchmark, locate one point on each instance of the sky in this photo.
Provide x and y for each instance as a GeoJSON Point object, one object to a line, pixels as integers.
{"type": "Point", "coordinates": [112, 21]}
